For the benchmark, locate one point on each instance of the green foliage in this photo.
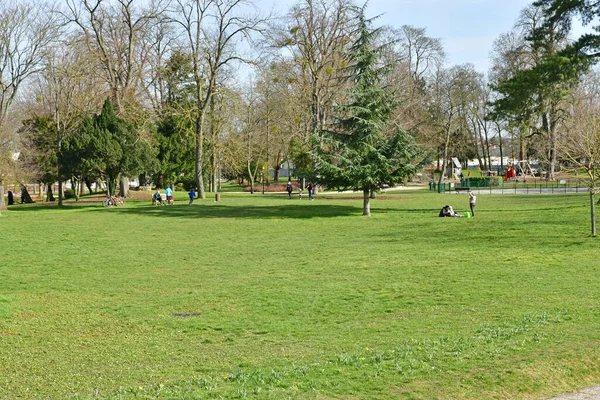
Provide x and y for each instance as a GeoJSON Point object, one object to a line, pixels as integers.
{"type": "Point", "coordinates": [40, 150]}
{"type": "Point", "coordinates": [358, 310]}
{"type": "Point", "coordinates": [177, 75]}
{"type": "Point", "coordinates": [300, 154]}
{"type": "Point", "coordinates": [107, 146]}
{"type": "Point", "coordinates": [585, 50]}
{"type": "Point", "coordinates": [362, 152]}
{"type": "Point", "coordinates": [530, 92]}
{"type": "Point", "coordinates": [176, 152]}
{"type": "Point", "coordinates": [482, 181]}
{"type": "Point", "coordinates": [69, 194]}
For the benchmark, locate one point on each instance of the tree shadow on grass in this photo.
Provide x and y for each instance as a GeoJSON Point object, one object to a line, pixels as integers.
{"type": "Point", "coordinates": [251, 212]}
{"type": "Point", "coordinates": [294, 209]}
{"type": "Point", "coordinates": [272, 206]}
{"type": "Point", "coordinates": [277, 210]}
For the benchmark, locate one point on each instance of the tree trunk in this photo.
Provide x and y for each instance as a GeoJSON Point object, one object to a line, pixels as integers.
{"type": "Point", "coordinates": [88, 183]}
{"type": "Point", "coordinates": [366, 203]}
{"type": "Point", "coordinates": [49, 194]}
{"type": "Point", "coordinates": [523, 146]}
{"type": "Point", "coordinates": [501, 150]}
{"type": "Point", "coordinates": [593, 212]}
{"type": "Point", "coordinates": [373, 194]}
{"type": "Point", "coordinates": [482, 162]}
{"type": "Point", "coordinates": [75, 187]}
{"type": "Point", "coordinates": [200, 156]}
{"type": "Point", "coordinates": [212, 187]}
{"type": "Point", "coordinates": [215, 173]}
{"type": "Point", "coordinates": [445, 161]}
{"type": "Point", "coordinates": [482, 142]}
{"type": "Point", "coordinates": [553, 158]}
{"type": "Point", "coordinates": [124, 192]}
{"type": "Point", "coordinates": [487, 154]}
{"type": "Point", "coordinates": [81, 186]}
{"type": "Point", "coordinates": [251, 178]}
{"type": "Point", "coordinates": [2, 205]}
{"type": "Point", "coordinates": [25, 197]}
{"type": "Point", "coordinates": [112, 185]}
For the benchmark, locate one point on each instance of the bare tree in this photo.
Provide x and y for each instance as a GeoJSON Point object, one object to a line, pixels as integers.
{"type": "Point", "coordinates": [25, 31]}
{"type": "Point", "coordinates": [452, 94]}
{"type": "Point", "coordinates": [211, 29]}
{"type": "Point", "coordinates": [478, 115]}
{"type": "Point", "coordinates": [529, 94]}
{"type": "Point", "coordinates": [422, 54]}
{"type": "Point", "coordinates": [317, 35]}
{"type": "Point", "coordinates": [415, 58]}
{"type": "Point", "coordinates": [68, 89]}
{"type": "Point", "coordinates": [157, 44]}
{"type": "Point", "coordinates": [580, 147]}
{"type": "Point", "coordinates": [112, 32]}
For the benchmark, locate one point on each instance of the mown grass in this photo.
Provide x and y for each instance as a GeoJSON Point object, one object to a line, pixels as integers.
{"type": "Point", "coordinates": [268, 298]}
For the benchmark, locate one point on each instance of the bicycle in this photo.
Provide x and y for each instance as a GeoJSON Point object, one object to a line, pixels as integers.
{"type": "Point", "coordinates": [114, 201]}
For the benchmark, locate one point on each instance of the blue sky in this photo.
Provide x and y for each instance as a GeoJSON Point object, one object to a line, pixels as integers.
{"type": "Point", "coordinates": [467, 27]}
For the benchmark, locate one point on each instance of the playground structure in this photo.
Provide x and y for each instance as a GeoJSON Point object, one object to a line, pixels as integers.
{"type": "Point", "coordinates": [453, 168]}
{"type": "Point", "coordinates": [520, 168]}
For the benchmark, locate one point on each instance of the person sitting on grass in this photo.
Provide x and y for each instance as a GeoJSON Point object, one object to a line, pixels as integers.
{"type": "Point", "coordinates": [448, 211]}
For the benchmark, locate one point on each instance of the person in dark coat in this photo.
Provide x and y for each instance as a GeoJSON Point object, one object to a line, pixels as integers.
{"type": "Point", "coordinates": [11, 198]}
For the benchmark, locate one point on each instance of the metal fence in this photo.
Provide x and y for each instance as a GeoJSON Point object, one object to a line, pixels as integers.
{"type": "Point", "coordinates": [528, 186]}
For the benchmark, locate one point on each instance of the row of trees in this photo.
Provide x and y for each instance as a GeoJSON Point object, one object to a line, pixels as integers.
{"type": "Point", "coordinates": [200, 89]}
{"type": "Point", "coordinates": [180, 108]}
{"type": "Point", "coordinates": [546, 91]}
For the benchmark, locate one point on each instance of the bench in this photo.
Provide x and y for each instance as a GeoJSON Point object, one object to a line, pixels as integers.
{"type": "Point", "coordinates": [462, 189]}
{"type": "Point", "coordinates": [163, 200]}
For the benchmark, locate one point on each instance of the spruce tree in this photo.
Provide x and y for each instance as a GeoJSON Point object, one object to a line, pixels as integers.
{"type": "Point", "coordinates": [364, 150]}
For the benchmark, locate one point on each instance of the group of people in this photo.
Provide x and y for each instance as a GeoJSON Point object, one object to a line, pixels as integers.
{"type": "Point", "coordinates": [310, 188]}
{"type": "Point", "coordinates": [157, 198]}
{"type": "Point", "coordinates": [11, 198]}
{"type": "Point", "coordinates": [448, 211]}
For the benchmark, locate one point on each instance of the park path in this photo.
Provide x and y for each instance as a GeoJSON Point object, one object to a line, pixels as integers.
{"type": "Point", "coordinates": [587, 394]}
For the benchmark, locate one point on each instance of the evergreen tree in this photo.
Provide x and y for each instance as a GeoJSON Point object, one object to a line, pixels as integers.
{"type": "Point", "coordinates": [108, 146]}
{"type": "Point", "coordinates": [39, 155]}
{"type": "Point", "coordinates": [176, 152]}
{"type": "Point", "coordinates": [360, 152]}
{"type": "Point", "coordinates": [533, 97]}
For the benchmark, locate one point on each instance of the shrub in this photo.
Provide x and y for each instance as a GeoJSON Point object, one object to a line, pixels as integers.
{"type": "Point", "coordinates": [69, 194]}
{"type": "Point", "coordinates": [482, 181]}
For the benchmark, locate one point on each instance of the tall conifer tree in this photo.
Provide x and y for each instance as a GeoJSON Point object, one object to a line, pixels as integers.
{"type": "Point", "coordinates": [364, 150]}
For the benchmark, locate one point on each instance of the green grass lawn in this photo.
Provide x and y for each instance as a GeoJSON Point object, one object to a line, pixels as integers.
{"type": "Point", "coordinates": [267, 298]}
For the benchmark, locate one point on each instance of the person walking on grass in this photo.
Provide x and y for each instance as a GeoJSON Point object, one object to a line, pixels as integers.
{"type": "Point", "coordinates": [192, 194]}
{"type": "Point", "coordinates": [169, 195]}
{"type": "Point", "coordinates": [289, 189]}
{"type": "Point", "coordinates": [310, 191]}
{"type": "Point", "coordinates": [472, 200]}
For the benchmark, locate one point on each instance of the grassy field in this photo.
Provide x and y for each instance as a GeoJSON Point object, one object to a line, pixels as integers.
{"type": "Point", "coordinates": [267, 298]}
